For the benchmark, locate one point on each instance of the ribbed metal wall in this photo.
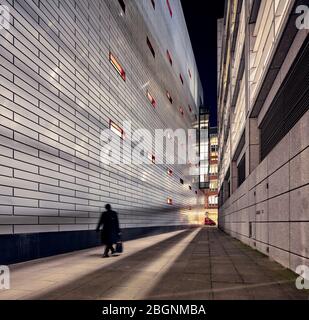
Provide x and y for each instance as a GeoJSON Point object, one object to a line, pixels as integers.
{"type": "Point", "coordinates": [58, 91]}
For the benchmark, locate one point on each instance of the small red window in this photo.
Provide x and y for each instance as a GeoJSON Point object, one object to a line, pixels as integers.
{"type": "Point", "coordinates": [169, 97]}
{"type": "Point", "coordinates": [169, 172]}
{"type": "Point", "coordinates": [122, 5]}
{"type": "Point", "coordinates": [181, 78]}
{"type": "Point", "coordinates": [151, 47]}
{"type": "Point", "coordinates": [169, 7]}
{"type": "Point", "coordinates": [169, 201]}
{"type": "Point", "coordinates": [152, 158]}
{"type": "Point", "coordinates": [116, 129]}
{"type": "Point", "coordinates": [117, 66]}
{"type": "Point", "coordinates": [151, 99]}
{"type": "Point", "coordinates": [169, 57]}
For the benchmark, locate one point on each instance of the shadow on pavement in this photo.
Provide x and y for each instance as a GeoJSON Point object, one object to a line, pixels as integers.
{"type": "Point", "coordinates": [95, 284]}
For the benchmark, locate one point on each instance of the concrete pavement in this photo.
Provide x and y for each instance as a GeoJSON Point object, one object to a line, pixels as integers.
{"type": "Point", "coordinates": [198, 264]}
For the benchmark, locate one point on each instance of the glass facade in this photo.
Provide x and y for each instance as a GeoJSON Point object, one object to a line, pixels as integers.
{"type": "Point", "coordinates": [211, 193]}
{"type": "Point", "coordinates": [204, 148]}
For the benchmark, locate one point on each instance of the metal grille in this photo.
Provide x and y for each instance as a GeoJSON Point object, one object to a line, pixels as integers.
{"type": "Point", "coordinates": [241, 171]}
{"type": "Point", "coordinates": [290, 104]}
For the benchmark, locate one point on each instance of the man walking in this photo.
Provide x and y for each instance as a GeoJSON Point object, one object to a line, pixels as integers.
{"type": "Point", "coordinates": [110, 233]}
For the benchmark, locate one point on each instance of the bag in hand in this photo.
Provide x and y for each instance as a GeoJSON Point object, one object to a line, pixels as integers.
{"type": "Point", "coordinates": [119, 247]}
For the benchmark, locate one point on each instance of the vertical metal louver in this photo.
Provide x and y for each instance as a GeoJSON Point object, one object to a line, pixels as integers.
{"type": "Point", "coordinates": [289, 105]}
{"type": "Point", "coordinates": [241, 171]}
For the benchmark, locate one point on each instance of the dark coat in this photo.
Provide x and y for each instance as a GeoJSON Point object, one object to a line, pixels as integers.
{"type": "Point", "coordinates": [110, 231]}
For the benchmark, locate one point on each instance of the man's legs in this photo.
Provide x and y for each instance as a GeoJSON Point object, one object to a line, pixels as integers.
{"type": "Point", "coordinates": [111, 248]}
{"type": "Point", "coordinates": [105, 254]}
{"type": "Point", "coordinates": [107, 248]}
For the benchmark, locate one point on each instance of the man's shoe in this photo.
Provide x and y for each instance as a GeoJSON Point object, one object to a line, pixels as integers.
{"type": "Point", "coordinates": [105, 256]}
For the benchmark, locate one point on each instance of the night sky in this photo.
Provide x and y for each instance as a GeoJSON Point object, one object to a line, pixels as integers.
{"type": "Point", "coordinates": [201, 17]}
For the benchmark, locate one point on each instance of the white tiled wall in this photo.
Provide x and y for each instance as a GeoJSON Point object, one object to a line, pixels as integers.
{"type": "Point", "coordinates": [58, 92]}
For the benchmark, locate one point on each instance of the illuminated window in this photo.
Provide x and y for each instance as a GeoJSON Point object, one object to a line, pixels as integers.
{"type": "Point", "coordinates": [190, 109]}
{"type": "Point", "coordinates": [169, 97]}
{"type": "Point", "coordinates": [169, 7]}
{"type": "Point", "coordinates": [213, 185]}
{"type": "Point", "coordinates": [151, 47]}
{"type": "Point", "coordinates": [181, 78]}
{"type": "Point", "coordinates": [169, 201]}
{"type": "Point", "coordinates": [116, 129]}
{"type": "Point", "coordinates": [122, 5]}
{"type": "Point", "coordinates": [213, 169]}
{"type": "Point", "coordinates": [213, 200]}
{"type": "Point", "coordinates": [153, 4]}
{"type": "Point", "coordinates": [181, 181]}
{"type": "Point", "coordinates": [169, 57]}
{"type": "Point", "coordinates": [190, 75]}
{"type": "Point", "coordinates": [181, 111]}
{"type": "Point", "coordinates": [151, 99]}
{"type": "Point", "coordinates": [117, 66]}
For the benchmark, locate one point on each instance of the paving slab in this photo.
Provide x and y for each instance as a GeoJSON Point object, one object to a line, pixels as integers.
{"type": "Point", "coordinates": [195, 264]}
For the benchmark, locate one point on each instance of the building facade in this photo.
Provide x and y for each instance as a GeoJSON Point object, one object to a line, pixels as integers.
{"type": "Point", "coordinates": [69, 71]}
{"type": "Point", "coordinates": [203, 137]}
{"type": "Point", "coordinates": [263, 98]}
{"type": "Point", "coordinates": [211, 194]}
